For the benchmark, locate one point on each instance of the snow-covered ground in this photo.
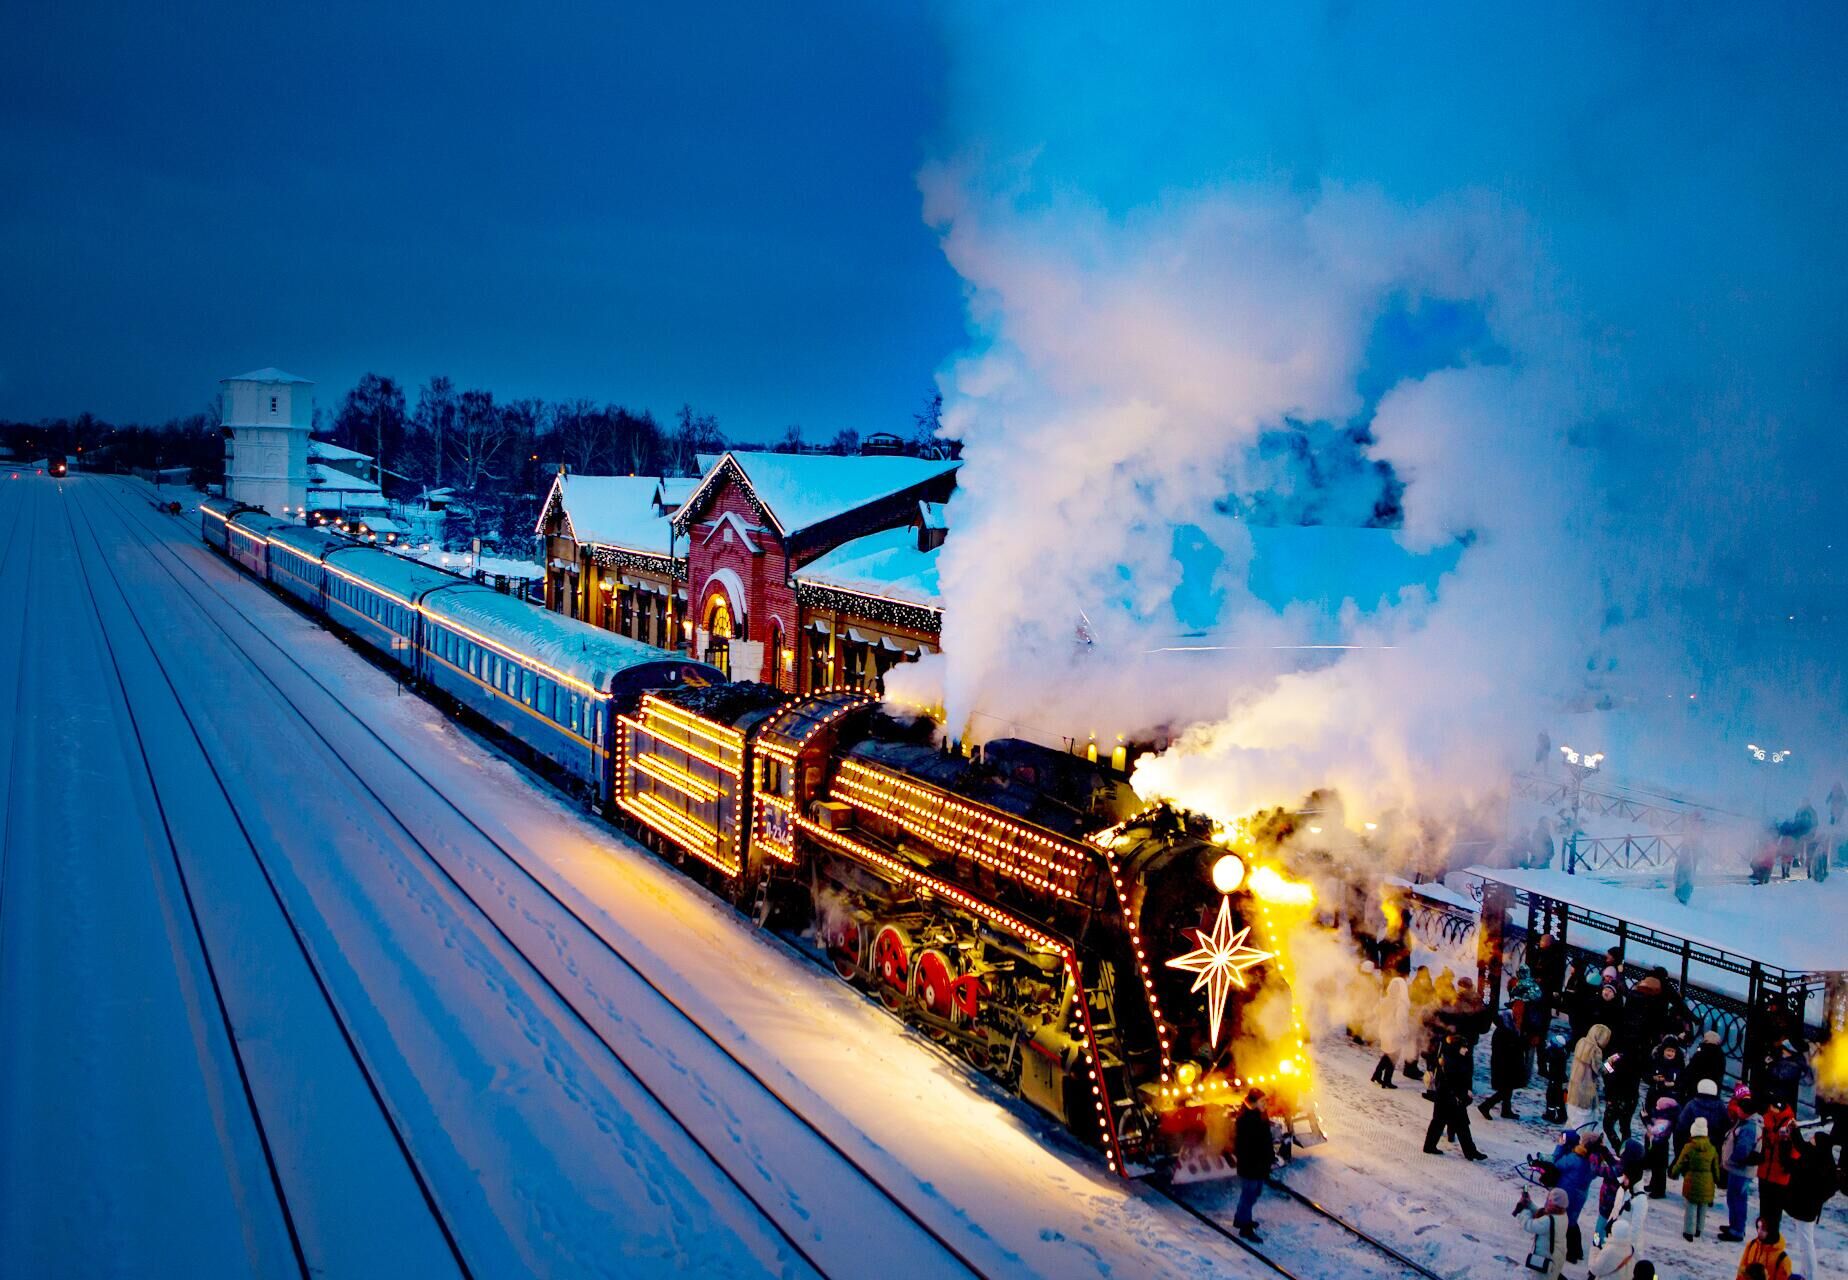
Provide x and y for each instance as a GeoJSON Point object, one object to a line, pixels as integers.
{"type": "Point", "coordinates": [1452, 1215]}
{"type": "Point", "coordinates": [427, 1040]}
{"type": "Point", "coordinates": [463, 1006]}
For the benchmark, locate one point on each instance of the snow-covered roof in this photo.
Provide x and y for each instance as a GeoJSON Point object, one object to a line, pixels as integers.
{"type": "Point", "coordinates": [801, 490]}
{"type": "Point", "coordinates": [325, 478]}
{"type": "Point", "coordinates": [677, 489]}
{"type": "Point", "coordinates": [615, 511]}
{"type": "Point", "coordinates": [1795, 925]}
{"type": "Point", "coordinates": [404, 578]}
{"type": "Point", "coordinates": [887, 564]}
{"type": "Point", "coordinates": [313, 543]}
{"type": "Point", "coordinates": [381, 524]}
{"type": "Point", "coordinates": [327, 450]}
{"type": "Point", "coordinates": [269, 374]}
{"type": "Point", "coordinates": [583, 652]}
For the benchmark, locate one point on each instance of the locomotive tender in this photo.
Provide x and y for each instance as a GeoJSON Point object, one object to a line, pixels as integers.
{"type": "Point", "coordinates": [1117, 967]}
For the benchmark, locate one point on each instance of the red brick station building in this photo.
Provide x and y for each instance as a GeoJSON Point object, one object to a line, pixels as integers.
{"type": "Point", "coordinates": [799, 570]}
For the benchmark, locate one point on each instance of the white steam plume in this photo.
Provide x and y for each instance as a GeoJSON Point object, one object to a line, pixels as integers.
{"type": "Point", "coordinates": [1168, 254]}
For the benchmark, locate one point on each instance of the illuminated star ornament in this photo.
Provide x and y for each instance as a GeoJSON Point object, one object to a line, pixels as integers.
{"type": "Point", "coordinates": [1220, 961]}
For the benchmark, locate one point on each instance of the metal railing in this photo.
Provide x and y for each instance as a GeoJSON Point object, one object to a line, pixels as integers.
{"type": "Point", "coordinates": [1622, 853]}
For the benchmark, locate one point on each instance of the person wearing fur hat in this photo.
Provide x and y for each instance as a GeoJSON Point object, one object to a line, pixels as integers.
{"type": "Point", "coordinates": [1697, 1166]}
{"type": "Point", "coordinates": [1545, 1223]}
{"type": "Point", "coordinates": [1739, 1158]}
{"type": "Point", "coordinates": [1704, 1105]}
{"type": "Point", "coordinates": [1617, 1256]}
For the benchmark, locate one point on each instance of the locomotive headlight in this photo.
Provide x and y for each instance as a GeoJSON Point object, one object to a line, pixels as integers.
{"type": "Point", "coordinates": [1228, 873]}
{"type": "Point", "coordinates": [1186, 1074]}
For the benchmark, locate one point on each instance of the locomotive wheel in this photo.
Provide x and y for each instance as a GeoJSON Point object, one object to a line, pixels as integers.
{"type": "Point", "coordinates": [930, 989]}
{"type": "Point", "coordinates": [891, 966]}
{"type": "Point", "coordinates": [844, 950]}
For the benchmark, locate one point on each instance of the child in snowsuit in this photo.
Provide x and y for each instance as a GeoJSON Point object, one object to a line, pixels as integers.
{"type": "Point", "coordinates": [1697, 1166]}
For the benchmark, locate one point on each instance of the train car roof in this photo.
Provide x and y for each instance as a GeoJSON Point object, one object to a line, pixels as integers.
{"type": "Point", "coordinates": [739, 703]}
{"type": "Point", "coordinates": [313, 543]}
{"type": "Point", "coordinates": [1032, 798]}
{"type": "Point", "coordinates": [406, 579]}
{"type": "Point", "coordinates": [797, 721]}
{"type": "Point", "coordinates": [586, 654]}
{"type": "Point", "coordinates": [259, 522]}
{"type": "Point", "coordinates": [221, 507]}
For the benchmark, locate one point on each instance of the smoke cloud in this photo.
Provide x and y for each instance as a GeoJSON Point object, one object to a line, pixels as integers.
{"type": "Point", "coordinates": [1553, 295]}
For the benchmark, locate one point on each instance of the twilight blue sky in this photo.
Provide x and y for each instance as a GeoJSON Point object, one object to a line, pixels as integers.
{"type": "Point", "coordinates": [640, 203]}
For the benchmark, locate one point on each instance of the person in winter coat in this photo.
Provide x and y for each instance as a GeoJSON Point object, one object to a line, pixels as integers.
{"type": "Point", "coordinates": [1555, 1059]}
{"type": "Point", "coordinates": [1708, 1061]}
{"type": "Point", "coordinates": [1255, 1154]}
{"type": "Point", "coordinates": [1582, 1005]}
{"type": "Point", "coordinates": [1617, 1256]}
{"type": "Point", "coordinates": [1424, 1004]}
{"type": "Point", "coordinates": [1543, 1223]}
{"type": "Point", "coordinates": [1572, 1160]}
{"type": "Point", "coordinates": [1698, 1167]}
{"type": "Point", "coordinates": [1548, 962]}
{"type": "Point", "coordinates": [1622, 1078]}
{"type": "Point", "coordinates": [1784, 1077]}
{"type": "Point", "coordinates": [1739, 1157]}
{"type": "Point", "coordinates": [1766, 1251]}
{"type": "Point", "coordinates": [1776, 1168]}
{"type": "Point", "coordinates": [1397, 1032]}
{"type": "Point", "coordinates": [1630, 1204]}
{"type": "Point", "coordinates": [1812, 1183]}
{"type": "Point", "coordinates": [1582, 1084]}
{"type": "Point", "coordinates": [1704, 1105]}
{"type": "Point", "coordinates": [1445, 987]}
{"type": "Point", "coordinates": [1661, 1135]}
{"type": "Point", "coordinates": [1363, 1001]}
{"type": "Point", "coordinates": [1507, 1066]}
{"type": "Point", "coordinates": [1665, 1067]}
{"type": "Point", "coordinates": [1451, 1087]}
{"type": "Point", "coordinates": [1607, 1170]}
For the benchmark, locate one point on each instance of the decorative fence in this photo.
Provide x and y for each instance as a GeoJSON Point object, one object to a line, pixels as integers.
{"type": "Point", "coordinates": [1669, 819]}
{"type": "Point", "coordinates": [1622, 853]}
{"type": "Point", "coordinates": [1455, 927]}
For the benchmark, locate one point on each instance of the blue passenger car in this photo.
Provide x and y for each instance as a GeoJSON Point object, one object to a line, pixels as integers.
{"type": "Point", "coordinates": [247, 536]}
{"type": "Point", "coordinates": [213, 515]}
{"type": "Point", "coordinates": [295, 557]}
{"type": "Point", "coordinates": [376, 595]}
{"type": "Point", "coordinates": [552, 682]}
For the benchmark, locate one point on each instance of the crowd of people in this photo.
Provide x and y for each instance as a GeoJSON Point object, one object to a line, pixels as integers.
{"type": "Point", "coordinates": [1642, 1099]}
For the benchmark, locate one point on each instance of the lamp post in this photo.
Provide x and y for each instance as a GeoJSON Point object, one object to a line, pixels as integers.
{"type": "Point", "coordinates": [1580, 765]}
{"type": "Point", "coordinates": [1766, 755]}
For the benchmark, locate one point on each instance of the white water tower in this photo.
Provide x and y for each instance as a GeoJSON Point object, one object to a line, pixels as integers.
{"type": "Point", "coordinates": [267, 416]}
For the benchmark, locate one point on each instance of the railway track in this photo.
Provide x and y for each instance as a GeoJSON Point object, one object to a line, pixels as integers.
{"type": "Point", "coordinates": [159, 553]}
{"type": "Point", "coordinates": [192, 914]}
{"type": "Point", "coordinates": [1269, 1254]}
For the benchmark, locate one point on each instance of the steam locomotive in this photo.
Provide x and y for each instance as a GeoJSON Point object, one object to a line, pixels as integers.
{"type": "Point", "coordinates": [1119, 967]}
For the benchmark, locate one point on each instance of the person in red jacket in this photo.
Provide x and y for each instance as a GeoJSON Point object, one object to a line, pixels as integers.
{"type": "Point", "coordinates": [1775, 1170]}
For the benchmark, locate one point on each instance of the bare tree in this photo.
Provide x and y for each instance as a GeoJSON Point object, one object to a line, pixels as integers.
{"type": "Point", "coordinates": [480, 440]}
{"type": "Point", "coordinates": [435, 420]}
{"type": "Point", "coordinates": [579, 435]}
